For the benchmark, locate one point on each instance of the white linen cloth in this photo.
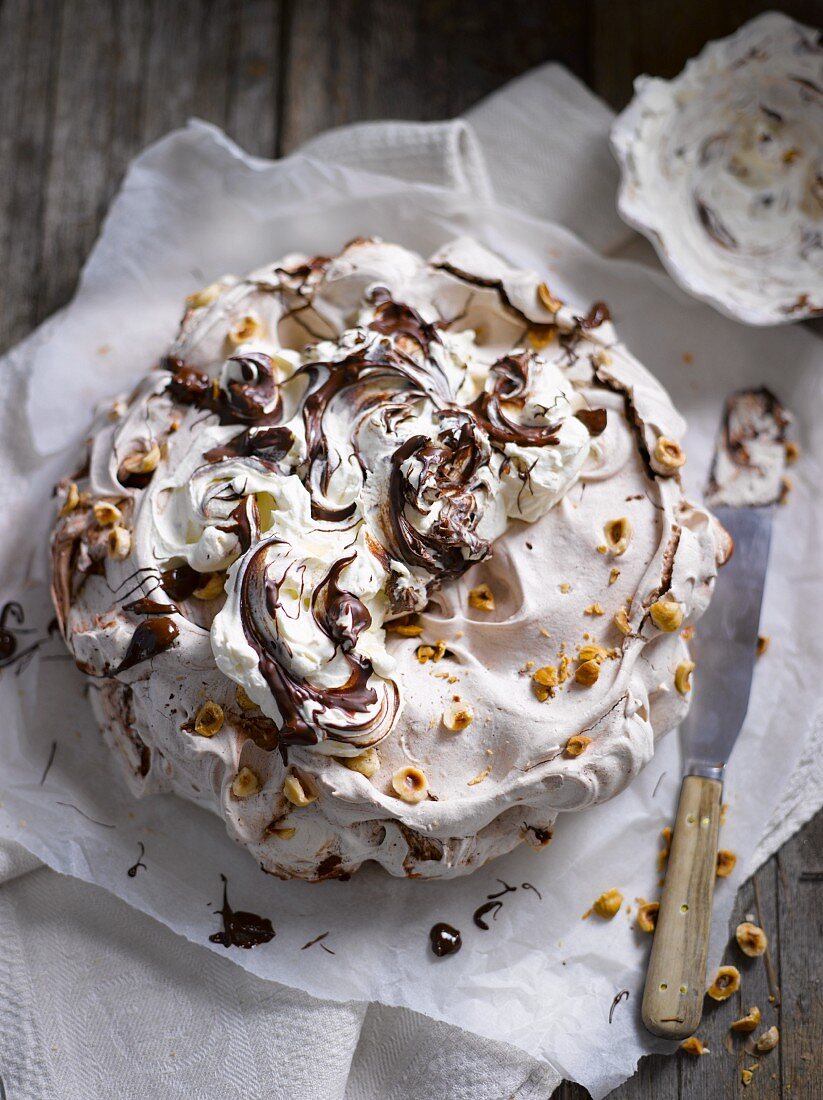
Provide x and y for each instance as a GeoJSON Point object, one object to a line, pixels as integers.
{"type": "Point", "coordinates": [99, 999]}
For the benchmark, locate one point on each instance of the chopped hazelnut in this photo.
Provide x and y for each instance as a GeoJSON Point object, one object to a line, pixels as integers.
{"type": "Point", "coordinates": [594, 609]}
{"type": "Point", "coordinates": [457, 716]}
{"type": "Point", "coordinates": [212, 588]}
{"type": "Point", "coordinates": [547, 299]}
{"type": "Point", "coordinates": [576, 745]}
{"type": "Point", "coordinates": [792, 452]}
{"type": "Point", "coordinates": [546, 676]}
{"type": "Point", "coordinates": [406, 628]}
{"type": "Point", "coordinates": [209, 719]}
{"type": "Point", "coordinates": [119, 543]}
{"type": "Point", "coordinates": [71, 501]}
{"type": "Point", "coordinates": [694, 1046]}
{"type": "Point", "coordinates": [593, 653]}
{"type": "Point", "coordinates": [424, 653]}
{"type": "Point", "coordinates": [746, 1076]}
{"type": "Point", "coordinates": [618, 534]}
{"type": "Point", "coordinates": [563, 669]}
{"type": "Point", "coordinates": [410, 784]}
{"type": "Point", "coordinates": [682, 677]}
{"type": "Point", "coordinates": [786, 486]}
{"type": "Point", "coordinates": [482, 598]}
{"type": "Point", "coordinates": [587, 673]}
{"type": "Point", "coordinates": [751, 940]}
{"type": "Point", "coordinates": [480, 777]}
{"type": "Point", "coordinates": [749, 1022]}
{"type": "Point", "coordinates": [245, 784]}
{"type": "Point", "coordinates": [607, 905]}
{"type": "Point", "coordinates": [243, 700]}
{"type": "Point", "coordinates": [141, 462]}
{"type": "Point", "coordinates": [203, 297]}
{"type": "Point", "coordinates": [726, 982]}
{"type": "Point", "coordinates": [767, 1041]}
{"type": "Point", "coordinates": [763, 641]}
{"type": "Point", "coordinates": [613, 575]}
{"type": "Point", "coordinates": [367, 763]}
{"type": "Point", "coordinates": [282, 833]}
{"type": "Point", "coordinates": [666, 614]}
{"type": "Point", "coordinates": [106, 513]}
{"type": "Point", "coordinates": [725, 863]}
{"type": "Point", "coordinates": [647, 916]}
{"type": "Point", "coordinates": [669, 455]}
{"type": "Point", "coordinates": [298, 792]}
{"type": "Point", "coordinates": [621, 621]}
{"type": "Point", "coordinates": [246, 328]}
{"type": "Point", "coordinates": [565, 587]}
{"type": "Point", "coordinates": [540, 336]}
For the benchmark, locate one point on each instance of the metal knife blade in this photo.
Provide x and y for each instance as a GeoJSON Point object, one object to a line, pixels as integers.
{"type": "Point", "coordinates": [725, 646]}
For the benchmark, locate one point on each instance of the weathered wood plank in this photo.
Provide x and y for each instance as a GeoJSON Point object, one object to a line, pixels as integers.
{"type": "Point", "coordinates": [254, 88]}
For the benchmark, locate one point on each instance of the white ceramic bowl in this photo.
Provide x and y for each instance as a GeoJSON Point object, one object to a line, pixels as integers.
{"type": "Point", "coordinates": [722, 169]}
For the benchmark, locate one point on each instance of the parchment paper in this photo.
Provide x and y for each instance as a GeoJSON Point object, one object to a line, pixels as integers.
{"type": "Point", "coordinates": [193, 207]}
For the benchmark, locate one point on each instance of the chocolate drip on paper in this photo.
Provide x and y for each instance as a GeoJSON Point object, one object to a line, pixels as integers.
{"type": "Point", "coordinates": [241, 929]}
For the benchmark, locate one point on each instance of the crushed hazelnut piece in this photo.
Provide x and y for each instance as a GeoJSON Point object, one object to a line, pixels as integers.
{"type": "Point", "coordinates": [749, 1022]}
{"type": "Point", "coordinates": [792, 452]}
{"type": "Point", "coordinates": [746, 1076]}
{"type": "Point", "coordinates": [546, 676]}
{"type": "Point", "coordinates": [594, 653]}
{"type": "Point", "coordinates": [763, 641]}
{"type": "Point", "coordinates": [245, 784]}
{"type": "Point", "coordinates": [666, 614]}
{"type": "Point", "coordinates": [587, 673]}
{"type": "Point", "coordinates": [563, 669]}
{"type": "Point", "coordinates": [682, 677]}
{"type": "Point", "coordinates": [424, 653]}
{"type": "Point", "coordinates": [367, 763]}
{"type": "Point", "coordinates": [647, 916]}
{"type": "Point", "coordinates": [119, 543]}
{"type": "Point", "coordinates": [410, 784]}
{"type": "Point", "coordinates": [601, 358]}
{"type": "Point", "coordinates": [406, 630]}
{"type": "Point", "coordinates": [71, 501]}
{"type": "Point", "coordinates": [618, 534]}
{"type": "Point", "coordinates": [203, 297]}
{"type": "Point", "coordinates": [621, 621]}
{"type": "Point", "coordinates": [726, 982]}
{"type": "Point", "coordinates": [246, 328]}
{"type": "Point", "coordinates": [544, 633]}
{"type": "Point", "coordinates": [547, 299]}
{"type": "Point", "coordinates": [439, 650]}
{"type": "Point", "coordinates": [212, 588]}
{"type": "Point", "coordinates": [297, 793]}
{"type": "Point", "coordinates": [243, 700]}
{"type": "Point", "coordinates": [482, 598]}
{"type": "Point", "coordinates": [457, 716]}
{"type": "Point", "coordinates": [141, 462]}
{"type": "Point", "coordinates": [786, 486]}
{"type": "Point", "coordinates": [725, 863]}
{"type": "Point", "coordinates": [602, 549]}
{"type": "Point", "coordinates": [594, 609]}
{"type": "Point", "coordinates": [282, 833]}
{"type": "Point", "coordinates": [613, 575]}
{"type": "Point", "coordinates": [209, 719]}
{"type": "Point", "coordinates": [565, 587]}
{"type": "Point", "coordinates": [694, 1046]}
{"type": "Point", "coordinates": [751, 940]}
{"type": "Point", "coordinates": [576, 745]}
{"type": "Point", "coordinates": [767, 1041]}
{"type": "Point", "coordinates": [480, 777]}
{"type": "Point", "coordinates": [607, 905]}
{"type": "Point", "coordinates": [106, 513]}
{"type": "Point", "coordinates": [540, 336]}
{"type": "Point", "coordinates": [669, 455]}
{"type": "Point", "coordinates": [687, 633]}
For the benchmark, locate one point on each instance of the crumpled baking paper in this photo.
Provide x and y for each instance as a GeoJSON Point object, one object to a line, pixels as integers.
{"type": "Point", "coordinates": [192, 207]}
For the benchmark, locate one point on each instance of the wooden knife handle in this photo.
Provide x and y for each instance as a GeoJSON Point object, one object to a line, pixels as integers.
{"type": "Point", "coordinates": [676, 976]}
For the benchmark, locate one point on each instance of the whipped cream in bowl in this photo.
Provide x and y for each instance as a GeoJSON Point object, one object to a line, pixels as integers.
{"type": "Point", "coordinates": [371, 563]}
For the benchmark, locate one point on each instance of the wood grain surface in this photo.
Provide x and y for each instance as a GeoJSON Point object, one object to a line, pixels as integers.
{"type": "Point", "coordinates": [86, 84]}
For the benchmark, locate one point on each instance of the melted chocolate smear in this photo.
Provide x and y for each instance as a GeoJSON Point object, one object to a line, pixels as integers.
{"type": "Point", "coordinates": [132, 871]}
{"type": "Point", "coordinates": [597, 315]}
{"type": "Point", "coordinates": [512, 376]}
{"type": "Point", "coordinates": [180, 582]}
{"type": "Point", "coordinates": [395, 319]}
{"type": "Point", "coordinates": [150, 638]}
{"type": "Point", "coordinates": [241, 929]}
{"type": "Point", "coordinates": [254, 398]}
{"type": "Point", "coordinates": [593, 419]}
{"type": "Point", "coordinates": [492, 907]}
{"type": "Point", "coordinates": [148, 606]}
{"type": "Point", "coordinates": [445, 940]}
{"type": "Point", "coordinates": [268, 445]}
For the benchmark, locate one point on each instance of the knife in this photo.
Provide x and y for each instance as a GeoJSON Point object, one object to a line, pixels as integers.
{"type": "Point", "coordinates": [746, 481]}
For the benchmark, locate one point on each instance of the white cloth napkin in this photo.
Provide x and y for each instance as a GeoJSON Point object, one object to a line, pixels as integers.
{"type": "Point", "coordinates": [100, 1000]}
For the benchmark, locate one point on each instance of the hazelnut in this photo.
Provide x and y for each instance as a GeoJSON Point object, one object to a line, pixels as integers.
{"type": "Point", "coordinates": [576, 745]}
{"type": "Point", "coordinates": [682, 676]}
{"type": "Point", "coordinates": [618, 534]}
{"type": "Point", "coordinates": [607, 905]}
{"type": "Point", "coordinates": [792, 452]}
{"type": "Point", "coordinates": [457, 716]}
{"type": "Point", "coordinates": [726, 982]}
{"type": "Point", "coordinates": [405, 627]}
{"type": "Point", "coordinates": [209, 719]}
{"type": "Point", "coordinates": [367, 763]}
{"type": "Point", "coordinates": [298, 793]}
{"type": "Point", "coordinates": [243, 700]}
{"type": "Point", "coordinates": [106, 513]}
{"type": "Point", "coordinates": [481, 598]}
{"type": "Point", "coordinates": [245, 783]}
{"type": "Point", "coordinates": [282, 833]}
{"type": "Point", "coordinates": [593, 653]}
{"type": "Point", "coordinates": [621, 621]}
{"type": "Point", "coordinates": [410, 784]}
{"type": "Point", "coordinates": [203, 297]}
{"type": "Point", "coordinates": [540, 336]}
{"type": "Point", "coordinates": [546, 676]}
{"type": "Point", "coordinates": [547, 299]}
{"type": "Point", "coordinates": [212, 588]}
{"type": "Point", "coordinates": [594, 609]}
{"type": "Point", "coordinates": [751, 940]}
{"type": "Point", "coordinates": [424, 653]}
{"type": "Point", "coordinates": [668, 455]}
{"type": "Point", "coordinates": [725, 863]}
{"type": "Point", "coordinates": [763, 641]}
{"type": "Point", "coordinates": [480, 777]}
{"type": "Point", "coordinates": [119, 543]}
{"type": "Point", "coordinates": [666, 614]}
{"type": "Point", "coordinates": [767, 1041]}
{"type": "Point", "coordinates": [647, 916]}
{"type": "Point", "coordinates": [748, 1022]}
{"type": "Point", "coordinates": [587, 673]}
{"type": "Point", "coordinates": [746, 1076]}
{"type": "Point", "coordinates": [248, 327]}
{"type": "Point", "coordinates": [141, 462]}
{"type": "Point", "coordinates": [613, 575]}
{"type": "Point", "coordinates": [693, 1045]}
{"type": "Point", "coordinates": [71, 501]}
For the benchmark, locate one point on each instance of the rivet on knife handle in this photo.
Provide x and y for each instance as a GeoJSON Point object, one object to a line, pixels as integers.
{"type": "Point", "coordinates": [676, 976]}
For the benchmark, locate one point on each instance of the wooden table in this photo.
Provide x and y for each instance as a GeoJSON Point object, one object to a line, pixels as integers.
{"type": "Point", "coordinates": [86, 84]}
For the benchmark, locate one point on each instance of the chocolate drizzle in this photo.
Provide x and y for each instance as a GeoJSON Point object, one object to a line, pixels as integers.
{"type": "Point", "coordinates": [241, 929]}
{"type": "Point", "coordinates": [512, 379]}
{"type": "Point", "coordinates": [151, 637]}
{"type": "Point", "coordinates": [132, 871]}
{"type": "Point", "coordinates": [445, 940]}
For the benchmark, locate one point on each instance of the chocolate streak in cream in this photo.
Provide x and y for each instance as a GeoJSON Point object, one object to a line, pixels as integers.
{"type": "Point", "coordinates": [345, 442]}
